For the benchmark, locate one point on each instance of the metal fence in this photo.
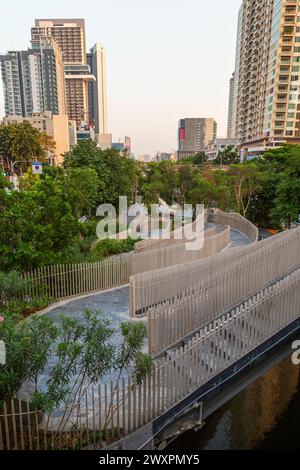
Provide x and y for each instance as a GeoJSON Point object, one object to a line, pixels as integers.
{"type": "Point", "coordinates": [69, 280]}
{"type": "Point", "coordinates": [105, 414]}
{"type": "Point", "coordinates": [220, 288]}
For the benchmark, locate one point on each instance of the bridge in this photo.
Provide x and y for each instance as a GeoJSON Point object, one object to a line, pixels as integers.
{"type": "Point", "coordinates": [215, 323]}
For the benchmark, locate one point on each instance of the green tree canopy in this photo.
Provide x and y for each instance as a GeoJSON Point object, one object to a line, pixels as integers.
{"type": "Point", "coordinates": [117, 174]}
{"type": "Point", "coordinates": [22, 142]}
{"type": "Point", "coordinates": [228, 156]}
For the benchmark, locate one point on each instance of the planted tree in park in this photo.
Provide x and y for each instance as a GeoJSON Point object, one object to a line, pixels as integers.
{"type": "Point", "coordinates": [246, 180]}
{"type": "Point", "coordinates": [228, 156]}
{"type": "Point", "coordinates": [117, 174]}
{"type": "Point", "coordinates": [85, 350]}
{"type": "Point", "coordinates": [22, 142]}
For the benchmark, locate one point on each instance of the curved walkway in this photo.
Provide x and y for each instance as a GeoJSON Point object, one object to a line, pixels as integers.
{"type": "Point", "coordinates": [114, 304]}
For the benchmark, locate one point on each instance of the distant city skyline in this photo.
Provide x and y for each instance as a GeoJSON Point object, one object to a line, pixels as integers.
{"type": "Point", "coordinates": [165, 60]}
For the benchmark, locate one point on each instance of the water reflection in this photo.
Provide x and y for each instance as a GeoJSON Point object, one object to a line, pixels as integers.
{"type": "Point", "coordinates": [266, 415]}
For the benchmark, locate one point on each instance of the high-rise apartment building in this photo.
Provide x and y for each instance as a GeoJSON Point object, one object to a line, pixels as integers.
{"type": "Point", "coordinates": [230, 130]}
{"type": "Point", "coordinates": [70, 37]}
{"type": "Point", "coordinates": [194, 134]}
{"type": "Point", "coordinates": [96, 59]}
{"type": "Point", "coordinates": [33, 80]}
{"type": "Point", "coordinates": [234, 83]}
{"type": "Point", "coordinates": [267, 103]}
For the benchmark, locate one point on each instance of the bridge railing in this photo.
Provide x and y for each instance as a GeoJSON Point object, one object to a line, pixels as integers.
{"type": "Point", "coordinates": [166, 286]}
{"type": "Point", "coordinates": [109, 412]}
{"type": "Point", "coordinates": [176, 253]}
{"type": "Point", "coordinates": [236, 221]}
{"type": "Point", "coordinates": [221, 286]}
{"type": "Point", "coordinates": [152, 244]}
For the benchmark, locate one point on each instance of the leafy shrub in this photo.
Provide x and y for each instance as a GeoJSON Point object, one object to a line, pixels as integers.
{"type": "Point", "coordinates": [12, 286]}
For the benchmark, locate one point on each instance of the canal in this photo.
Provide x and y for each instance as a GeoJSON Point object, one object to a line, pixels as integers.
{"type": "Point", "coordinates": [264, 416]}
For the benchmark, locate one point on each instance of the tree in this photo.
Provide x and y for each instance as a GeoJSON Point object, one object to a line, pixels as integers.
{"type": "Point", "coordinates": [200, 158]}
{"type": "Point", "coordinates": [81, 186]}
{"type": "Point", "coordinates": [186, 174]}
{"type": "Point", "coordinates": [202, 191]}
{"type": "Point", "coordinates": [117, 174]}
{"type": "Point", "coordinates": [287, 202]}
{"type": "Point", "coordinates": [85, 351]}
{"type": "Point", "coordinates": [40, 227]}
{"type": "Point", "coordinates": [159, 181]}
{"type": "Point", "coordinates": [228, 156]}
{"type": "Point", "coordinates": [22, 142]}
{"type": "Point", "coordinates": [246, 180]}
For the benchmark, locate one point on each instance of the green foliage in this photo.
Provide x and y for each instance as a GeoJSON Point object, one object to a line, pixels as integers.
{"type": "Point", "coordinates": [27, 351]}
{"type": "Point", "coordinates": [23, 142]}
{"type": "Point", "coordinates": [228, 156]}
{"type": "Point", "coordinates": [287, 200]}
{"type": "Point", "coordinates": [12, 286]}
{"type": "Point", "coordinates": [202, 191]}
{"type": "Point", "coordinates": [117, 174]}
{"type": "Point", "coordinates": [40, 226]}
{"type": "Point", "coordinates": [134, 335]}
{"type": "Point", "coordinates": [246, 180]}
{"type": "Point", "coordinates": [143, 366]}
{"type": "Point", "coordinates": [198, 159]}
{"type": "Point", "coordinates": [159, 180]}
{"type": "Point", "coordinates": [84, 349]}
{"type": "Point", "coordinates": [81, 187]}
{"type": "Point", "coordinates": [104, 248]}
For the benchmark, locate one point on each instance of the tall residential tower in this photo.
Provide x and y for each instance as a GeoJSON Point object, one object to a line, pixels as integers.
{"type": "Point", "coordinates": [33, 80]}
{"type": "Point", "coordinates": [267, 76]}
{"type": "Point", "coordinates": [70, 37]}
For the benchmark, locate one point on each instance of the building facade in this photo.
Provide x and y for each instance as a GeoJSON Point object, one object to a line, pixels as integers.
{"type": "Point", "coordinates": [194, 134]}
{"type": "Point", "coordinates": [33, 80]}
{"type": "Point", "coordinates": [104, 141]}
{"type": "Point", "coordinates": [96, 60]}
{"type": "Point", "coordinates": [69, 34]}
{"type": "Point", "coordinates": [219, 145]}
{"type": "Point", "coordinates": [230, 130]}
{"type": "Point", "coordinates": [268, 66]}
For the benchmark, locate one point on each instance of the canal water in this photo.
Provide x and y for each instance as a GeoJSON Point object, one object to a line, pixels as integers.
{"type": "Point", "coordinates": [264, 416]}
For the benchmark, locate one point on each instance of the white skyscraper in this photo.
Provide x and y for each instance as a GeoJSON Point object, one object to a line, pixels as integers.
{"type": "Point", "coordinates": [96, 59]}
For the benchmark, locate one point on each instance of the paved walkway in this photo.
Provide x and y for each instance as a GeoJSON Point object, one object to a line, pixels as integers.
{"type": "Point", "coordinates": [113, 304]}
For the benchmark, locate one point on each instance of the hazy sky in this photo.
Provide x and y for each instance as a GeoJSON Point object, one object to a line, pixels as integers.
{"type": "Point", "coordinates": [166, 59]}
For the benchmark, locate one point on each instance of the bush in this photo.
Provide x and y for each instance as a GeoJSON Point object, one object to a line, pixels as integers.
{"type": "Point", "coordinates": [12, 286]}
{"type": "Point", "coordinates": [105, 248]}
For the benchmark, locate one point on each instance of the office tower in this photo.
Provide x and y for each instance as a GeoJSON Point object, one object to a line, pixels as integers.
{"type": "Point", "coordinates": [194, 135]}
{"type": "Point", "coordinates": [268, 67]}
{"type": "Point", "coordinates": [70, 37]}
{"type": "Point", "coordinates": [55, 126]}
{"type": "Point", "coordinates": [33, 80]}
{"type": "Point", "coordinates": [96, 59]}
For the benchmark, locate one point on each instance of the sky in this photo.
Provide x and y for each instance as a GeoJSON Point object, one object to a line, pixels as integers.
{"type": "Point", "coordinates": [166, 59]}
